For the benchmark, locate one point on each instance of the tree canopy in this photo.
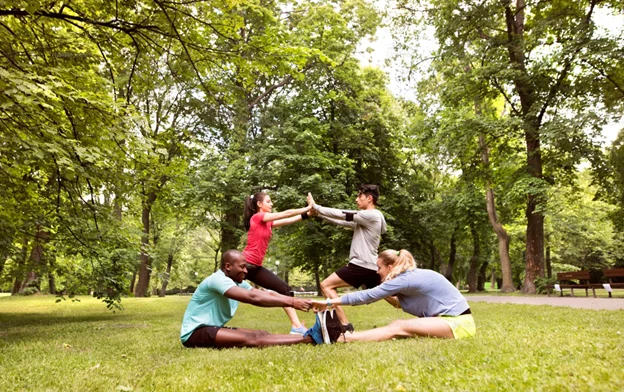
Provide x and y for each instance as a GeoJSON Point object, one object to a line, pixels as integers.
{"type": "Point", "coordinates": [131, 132]}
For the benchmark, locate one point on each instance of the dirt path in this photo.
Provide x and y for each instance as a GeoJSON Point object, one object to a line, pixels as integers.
{"type": "Point", "coordinates": [573, 302]}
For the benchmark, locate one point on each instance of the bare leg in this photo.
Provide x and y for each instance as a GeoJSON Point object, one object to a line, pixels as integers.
{"type": "Point", "coordinates": [328, 287]}
{"type": "Point", "coordinates": [251, 338]}
{"type": "Point", "coordinates": [294, 318]}
{"type": "Point", "coordinates": [433, 327]}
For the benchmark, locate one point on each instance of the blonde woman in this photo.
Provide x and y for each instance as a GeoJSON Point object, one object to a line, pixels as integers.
{"type": "Point", "coordinates": [441, 310]}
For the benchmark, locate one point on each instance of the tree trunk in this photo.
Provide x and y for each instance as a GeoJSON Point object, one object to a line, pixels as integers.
{"type": "Point", "coordinates": [21, 266]}
{"type": "Point", "coordinates": [217, 264]}
{"type": "Point", "coordinates": [531, 123]}
{"type": "Point", "coordinates": [535, 220]}
{"type": "Point", "coordinates": [548, 265]}
{"type": "Point", "coordinates": [142, 285]}
{"type": "Point", "coordinates": [132, 282]}
{"type": "Point", "coordinates": [117, 211]}
{"type": "Point", "coordinates": [51, 279]}
{"type": "Point", "coordinates": [230, 235]}
{"type": "Point", "coordinates": [3, 259]}
{"type": "Point", "coordinates": [37, 256]}
{"type": "Point", "coordinates": [474, 260]}
{"type": "Point", "coordinates": [167, 275]}
{"type": "Point", "coordinates": [482, 276]}
{"type": "Point", "coordinates": [493, 281]}
{"type": "Point", "coordinates": [501, 233]}
{"type": "Point", "coordinates": [436, 259]}
{"type": "Point", "coordinates": [448, 274]}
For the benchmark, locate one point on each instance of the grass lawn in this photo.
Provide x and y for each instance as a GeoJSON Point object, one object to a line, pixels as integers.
{"type": "Point", "coordinates": [83, 347]}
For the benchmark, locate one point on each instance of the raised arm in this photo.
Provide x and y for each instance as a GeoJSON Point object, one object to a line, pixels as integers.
{"type": "Point", "coordinates": [267, 300]}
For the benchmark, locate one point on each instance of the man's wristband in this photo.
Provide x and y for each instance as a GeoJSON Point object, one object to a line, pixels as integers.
{"type": "Point", "coordinates": [304, 216]}
{"type": "Point", "coordinates": [328, 301]}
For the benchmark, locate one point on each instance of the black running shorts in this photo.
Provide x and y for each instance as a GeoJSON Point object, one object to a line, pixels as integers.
{"type": "Point", "coordinates": [203, 337]}
{"type": "Point", "coordinates": [358, 276]}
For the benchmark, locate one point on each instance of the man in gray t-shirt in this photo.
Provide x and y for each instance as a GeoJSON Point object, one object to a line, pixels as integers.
{"type": "Point", "coordinates": [368, 225]}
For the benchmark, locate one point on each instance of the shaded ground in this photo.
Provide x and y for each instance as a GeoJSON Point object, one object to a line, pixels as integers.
{"type": "Point", "coordinates": [573, 302]}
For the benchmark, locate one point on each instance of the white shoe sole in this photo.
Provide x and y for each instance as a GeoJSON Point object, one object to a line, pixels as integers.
{"type": "Point", "coordinates": [324, 327]}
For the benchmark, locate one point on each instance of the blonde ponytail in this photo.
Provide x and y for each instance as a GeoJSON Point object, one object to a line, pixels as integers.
{"type": "Point", "coordinates": [399, 262]}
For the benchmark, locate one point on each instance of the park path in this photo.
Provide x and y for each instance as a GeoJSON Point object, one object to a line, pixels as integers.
{"type": "Point", "coordinates": [573, 302]}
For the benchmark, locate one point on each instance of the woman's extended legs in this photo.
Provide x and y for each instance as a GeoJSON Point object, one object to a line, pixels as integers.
{"type": "Point", "coordinates": [427, 326]}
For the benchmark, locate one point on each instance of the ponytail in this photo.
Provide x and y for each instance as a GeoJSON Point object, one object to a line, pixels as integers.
{"type": "Point", "coordinates": [251, 207]}
{"type": "Point", "coordinates": [399, 261]}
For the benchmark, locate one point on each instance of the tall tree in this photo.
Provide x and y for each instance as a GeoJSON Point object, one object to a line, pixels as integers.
{"type": "Point", "coordinates": [544, 59]}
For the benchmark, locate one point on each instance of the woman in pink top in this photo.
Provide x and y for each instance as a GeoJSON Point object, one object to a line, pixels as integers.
{"type": "Point", "coordinates": [259, 221]}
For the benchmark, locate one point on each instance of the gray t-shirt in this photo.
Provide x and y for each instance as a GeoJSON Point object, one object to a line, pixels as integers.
{"type": "Point", "coordinates": [421, 292]}
{"type": "Point", "coordinates": [367, 225]}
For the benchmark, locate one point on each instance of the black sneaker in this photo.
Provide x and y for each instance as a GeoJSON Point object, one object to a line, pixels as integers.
{"type": "Point", "coordinates": [333, 327]}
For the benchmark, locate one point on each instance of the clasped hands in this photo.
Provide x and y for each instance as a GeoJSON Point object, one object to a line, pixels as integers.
{"type": "Point", "coordinates": [307, 304]}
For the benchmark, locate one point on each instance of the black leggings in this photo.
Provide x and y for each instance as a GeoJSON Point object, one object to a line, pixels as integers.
{"type": "Point", "coordinates": [267, 279]}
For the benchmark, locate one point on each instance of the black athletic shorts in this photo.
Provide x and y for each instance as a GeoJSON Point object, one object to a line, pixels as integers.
{"type": "Point", "coordinates": [267, 279]}
{"type": "Point", "coordinates": [203, 337]}
{"type": "Point", "coordinates": [358, 276]}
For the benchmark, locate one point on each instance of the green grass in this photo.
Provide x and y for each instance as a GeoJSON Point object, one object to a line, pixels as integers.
{"type": "Point", "coordinates": [83, 347]}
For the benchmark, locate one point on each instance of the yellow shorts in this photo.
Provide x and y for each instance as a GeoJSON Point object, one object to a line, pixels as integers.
{"type": "Point", "coordinates": [462, 326]}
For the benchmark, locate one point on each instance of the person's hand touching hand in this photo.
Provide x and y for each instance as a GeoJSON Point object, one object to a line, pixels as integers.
{"type": "Point", "coordinates": [320, 305]}
{"type": "Point", "coordinates": [302, 304]}
{"type": "Point", "coordinates": [311, 201]}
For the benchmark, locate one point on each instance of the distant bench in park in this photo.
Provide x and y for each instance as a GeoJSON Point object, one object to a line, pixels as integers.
{"type": "Point", "coordinates": [566, 281]}
{"type": "Point", "coordinates": [610, 273]}
{"type": "Point", "coordinates": [306, 293]}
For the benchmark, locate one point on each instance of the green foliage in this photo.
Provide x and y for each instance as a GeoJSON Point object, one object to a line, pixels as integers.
{"type": "Point", "coordinates": [580, 232]}
{"type": "Point", "coordinates": [541, 283]}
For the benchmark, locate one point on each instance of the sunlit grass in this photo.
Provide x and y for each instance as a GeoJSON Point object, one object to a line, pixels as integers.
{"type": "Point", "coordinates": [83, 347]}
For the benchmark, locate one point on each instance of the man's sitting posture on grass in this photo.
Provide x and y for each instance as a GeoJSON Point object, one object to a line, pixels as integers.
{"type": "Point", "coordinates": [215, 301]}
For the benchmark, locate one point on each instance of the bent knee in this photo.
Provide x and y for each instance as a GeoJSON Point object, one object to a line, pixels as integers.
{"type": "Point", "coordinates": [327, 286]}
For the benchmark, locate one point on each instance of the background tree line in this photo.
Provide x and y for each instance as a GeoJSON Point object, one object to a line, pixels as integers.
{"type": "Point", "coordinates": [132, 132]}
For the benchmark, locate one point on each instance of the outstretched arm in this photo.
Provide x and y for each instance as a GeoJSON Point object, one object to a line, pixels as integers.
{"type": "Point", "coordinates": [333, 215]}
{"type": "Point", "coordinates": [387, 290]}
{"type": "Point", "coordinates": [287, 221]}
{"type": "Point", "coordinates": [266, 299]}
{"type": "Point", "coordinates": [285, 217]}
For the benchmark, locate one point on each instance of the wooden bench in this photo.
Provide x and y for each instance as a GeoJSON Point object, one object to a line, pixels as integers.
{"type": "Point", "coordinates": [611, 273]}
{"type": "Point", "coordinates": [564, 279]}
{"type": "Point", "coordinates": [306, 293]}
